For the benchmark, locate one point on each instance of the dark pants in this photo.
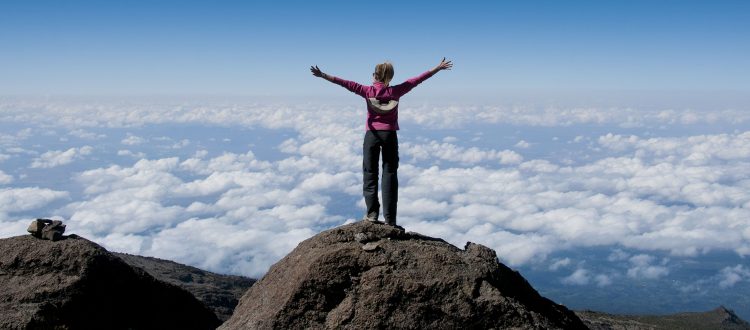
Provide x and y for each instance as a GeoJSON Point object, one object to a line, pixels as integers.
{"type": "Point", "coordinates": [375, 142]}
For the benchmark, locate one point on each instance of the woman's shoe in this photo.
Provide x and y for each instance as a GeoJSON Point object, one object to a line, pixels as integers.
{"type": "Point", "coordinates": [372, 217]}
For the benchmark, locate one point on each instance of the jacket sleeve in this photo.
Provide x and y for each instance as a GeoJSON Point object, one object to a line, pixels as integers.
{"type": "Point", "coordinates": [407, 85]}
{"type": "Point", "coordinates": [351, 86]}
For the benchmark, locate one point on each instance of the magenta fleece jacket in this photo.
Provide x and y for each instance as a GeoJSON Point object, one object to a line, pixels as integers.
{"type": "Point", "coordinates": [382, 100]}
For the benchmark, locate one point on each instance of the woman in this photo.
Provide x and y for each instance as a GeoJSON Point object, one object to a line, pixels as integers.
{"type": "Point", "coordinates": [380, 136]}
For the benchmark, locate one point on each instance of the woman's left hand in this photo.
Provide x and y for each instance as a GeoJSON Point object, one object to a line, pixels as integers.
{"type": "Point", "coordinates": [444, 65]}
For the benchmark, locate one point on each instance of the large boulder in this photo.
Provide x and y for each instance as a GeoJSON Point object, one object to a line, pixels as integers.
{"type": "Point", "coordinates": [374, 276]}
{"type": "Point", "coordinates": [74, 283]}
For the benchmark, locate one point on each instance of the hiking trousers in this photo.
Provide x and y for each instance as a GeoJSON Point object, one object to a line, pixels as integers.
{"type": "Point", "coordinates": [375, 144]}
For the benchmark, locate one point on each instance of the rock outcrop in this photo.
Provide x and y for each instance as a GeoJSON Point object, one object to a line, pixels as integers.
{"type": "Point", "coordinates": [220, 293]}
{"type": "Point", "coordinates": [720, 318]}
{"type": "Point", "coordinates": [74, 283]}
{"type": "Point", "coordinates": [373, 276]}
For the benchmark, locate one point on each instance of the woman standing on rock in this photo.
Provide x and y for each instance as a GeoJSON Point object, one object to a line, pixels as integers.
{"type": "Point", "coordinates": [380, 136]}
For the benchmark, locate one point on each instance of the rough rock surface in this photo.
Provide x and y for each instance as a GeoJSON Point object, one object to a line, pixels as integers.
{"type": "Point", "coordinates": [220, 293]}
{"type": "Point", "coordinates": [720, 318]}
{"type": "Point", "coordinates": [409, 281]}
{"type": "Point", "coordinates": [74, 283]}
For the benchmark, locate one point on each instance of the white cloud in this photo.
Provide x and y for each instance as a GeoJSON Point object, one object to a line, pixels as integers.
{"type": "Point", "coordinates": [453, 153]}
{"type": "Point", "coordinates": [564, 262]}
{"type": "Point", "coordinates": [5, 178]}
{"type": "Point", "coordinates": [132, 140]}
{"type": "Point", "coordinates": [225, 162]}
{"type": "Point", "coordinates": [618, 255]}
{"type": "Point", "coordinates": [150, 176]}
{"type": "Point", "coordinates": [509, 157]}
{"type": "Point", "coordinates": [642, 268]}
{"type": "Point", "coordinates": [216, 244]}
{"type": "Point", "coordinates": [56, 158]}
{"type": "Point", "coordinates": [334, 150]}
{"type": "Point", "coordinates": [424, 208]}
{"type": "Point", "coordinates": [14, 140]}
{"type": "Point", "coordinates": [22, 151]}
{"type": "Point", "coordinates": [522, 144]}
{"type": "Point", "coordinates": [539, 165]}
{"type": "Point", "coordinates": [10, 228]}
{"type": "Point", "coordinates": [128, 153]}
{"type": "Point", "coordinates": [216, 182]}
{"type": "Point", "coordinates": [303, 116]}
{"type": "Point", "coordinates": [84, 134]}
{"type": "Point", "coordinates": [578, 277]}
{"type": "Point", "coordinates": [181, 144]}
{"type": "Point", "coordinates": [729, 276]}
{"type": "Point", "coordinates": [14, 200]}
{"type": "Point", "coordinates": [325, 181]}
{"type": "Point", "coordinates": [726, 278]}
{"type": "Point", "coordinates": [298, 165]}
{"type": "Point", "coordinates": [128, 211]}
{"type": "Point", "coordinates": [201, 153]}
{"type": "Point", "coordinates": [693, 150]}
{"type": "Point", "coordinates": [460, 116]}
{"type": "Point", "coordinates": [602, 280]}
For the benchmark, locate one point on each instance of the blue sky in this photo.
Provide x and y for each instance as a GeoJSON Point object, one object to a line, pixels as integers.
{"type": "Point", "coordinates": [264, 48]}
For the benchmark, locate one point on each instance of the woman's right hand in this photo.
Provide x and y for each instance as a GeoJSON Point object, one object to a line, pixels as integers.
{"type": "Point", "coordinates": [316, 71]}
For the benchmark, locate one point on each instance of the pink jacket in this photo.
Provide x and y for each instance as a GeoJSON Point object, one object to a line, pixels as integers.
{"type": "Point", "coordinates": [382, 100]}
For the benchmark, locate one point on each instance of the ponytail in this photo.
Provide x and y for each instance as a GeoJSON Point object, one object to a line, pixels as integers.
{"type": "Point", "coordinates": [384, 72]}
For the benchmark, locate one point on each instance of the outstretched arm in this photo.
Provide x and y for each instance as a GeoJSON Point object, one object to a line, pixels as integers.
{"type": "Point", "coordinates": [318, 73]}
{"type": "Point", "coordinates": [406, 86]}
{"type": "Point", "coordinates": [350, 85]}
{"type": "Point", "coordinates": [443, 65]}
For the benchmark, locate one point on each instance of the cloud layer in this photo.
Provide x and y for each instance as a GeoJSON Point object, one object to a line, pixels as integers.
{"type": "Point", "coordinates": [660, 197]}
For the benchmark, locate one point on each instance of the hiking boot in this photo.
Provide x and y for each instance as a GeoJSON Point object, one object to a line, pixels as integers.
{"type": "Point", "coordinates": [371, 217]}
{"type": "Point", "coordinates": [391, 222]}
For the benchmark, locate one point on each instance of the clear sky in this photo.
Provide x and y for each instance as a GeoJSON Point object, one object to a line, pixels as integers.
{"type": "Point", "coordinates": [265, 48]}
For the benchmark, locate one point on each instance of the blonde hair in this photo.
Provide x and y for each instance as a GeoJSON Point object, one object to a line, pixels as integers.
{"type": "Point", "coordinates": [384, 72]}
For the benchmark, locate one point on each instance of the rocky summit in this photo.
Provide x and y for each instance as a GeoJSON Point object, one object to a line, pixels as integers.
{"type": "Point", "coordinates": [374, 276]}
{"type": "Point", "coordinates": [73, 283]}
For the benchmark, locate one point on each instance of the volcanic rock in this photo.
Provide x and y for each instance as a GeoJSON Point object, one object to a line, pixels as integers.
{"type": "Point", "coordinates": [74, 283]}
{"type": "Point", "coordinates": [719, 318]}
{"type": "Point", "coordinates": [219, 292]}
{"type": "Point", "coordinates": [409, 281]}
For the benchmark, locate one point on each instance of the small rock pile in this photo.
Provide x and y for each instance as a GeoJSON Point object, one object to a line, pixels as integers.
{"type": "Point", "coordinates": [47, 229]}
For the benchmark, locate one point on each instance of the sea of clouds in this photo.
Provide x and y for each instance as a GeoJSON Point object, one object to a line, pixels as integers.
{"type": "Point", "coordinates": [599, 197]}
